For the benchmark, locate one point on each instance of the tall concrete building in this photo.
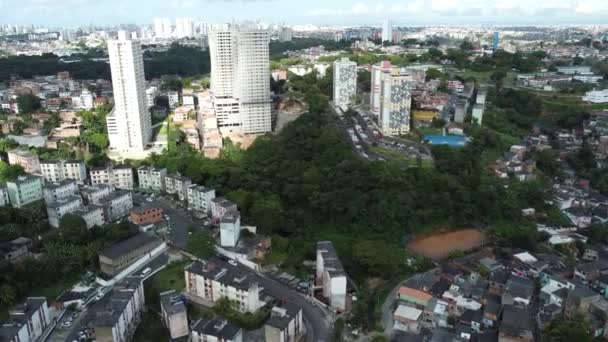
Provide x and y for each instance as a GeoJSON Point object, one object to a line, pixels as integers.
{"type": "Point", "coordinates": [162, 28]}
{"type": "Point", "coordinates": [387, 31]}
{"type": "Point", "coordinates": [345, 83]}
{"type": "Point", "coordinates": [391, 98]}
{"type": "Point", "coordinates": [184, 27]}
{"type": "Point", "coordinates": [240, 79]}
{"type": "Point", "coordinates": [129, 123]}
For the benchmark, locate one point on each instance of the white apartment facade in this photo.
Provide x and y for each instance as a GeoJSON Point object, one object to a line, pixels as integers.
{"type": "Point", "coordinates": [58, 170]}
{"type": "Point", "coordinates": [57, 209]}
{"type": "Point", "coordinates": [230, 229]}
{"type": "Point", "coordinates": [390, 99]}
{"type": "Point", "coordinates": [25, 190]}
{"type": "Point", "coordinates": [93, 215]}
{"type": "Point", "coordinates": [345, 83]}
{"type": "Point", "coordinates": [27, 321]}
{"type": "Point", "coordinates": [152, 178]}
{"type": "Point", "coordinates": [213, 280]}
{"type": "Point", "coordinates": [387, 31]}
{"type": "Point", "coordinates": [174, 314]}
{"type": "Point", "coordinates": [117, 205]}
{"type": "Point", "coordinates": [239, 79]}
{"type": "Point", "coordinates": [162, 28]}
{"type": "Point", "coordinates": [119, 176]}
{"type": "Point", "coordinates": [177, 184]}
{"type": "Point", "coordinates": [199, 198]}
{"type": "Point", "coordinates": [129, 124]}
{"type": "Point", "coordinates": [60, 190]}
{"type": "Point", "coordinates": [28, 160]}
{"type": "Point", "coordinates": [4, 199]}
{"type": "Point", "coordinates": [330, 275]}
{"type": "Point", "coordinates": [285, 324]}
{"type": "Point", "coordinates": [95, 194]}
{"type": "Point", "coordinates": [596, 96]}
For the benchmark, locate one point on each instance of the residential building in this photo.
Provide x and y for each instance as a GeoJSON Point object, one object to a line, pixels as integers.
{"type": "Point", "coordinates": [220, 206]}
{"type": "Point", "coordinates": [93, 215]}
{"type": "Point", "coordinates": [146, 215]}
{"type": "Point", "coordinates": [59, 190]}
{"type": "Point", "coordinates": [391, 98]}
{"type": "Point", "coordinates": [596, 96]}
{"type": "Point", "coordinates": [285, 324]}
{"type": "Point", "coordinates": [24, 190]}
{"type": "Point", "coordinates": [481, 96]}
{"type": "Point", "coordinates": [115, 317]}
{"type": "Point", "coordinates": [28, 160]}
{"type": "Point", "coordinates": [407, 318]}
{"type": "Point", "coordinates": [516, 325]}
{"type": "Point", "coordinates": [215, 330]}
{"type": "Point", "coordinates": [199, 198]}
{"type": "Point", "coordinates": [151, 94]}
{"type": "Point", "coordinates": [240, 70]}
{"type": "Point", "coordinates": [173, 97]}
{"type": "Point", "coordinates": [4, 199]}
{"type": "Point", "coordinates": [57, 209]}
{"type": "Point", "coordinates": [285, 34]}
{"type": "Point", "coordinates": [95, 194]}
{"type": "Point", "coordinates": [58, 170]}
{"type": "Point", "coordinates": [214, 279]}
{"type": "Point", "coordinates": [175, 315]}
{"type": "Point", "coordinates": [129, 123]}
{"type": "Point", "coordinates": [27, 321]}
{"type": "Point", "coordinates": [571, 70]}
{"type": "Point", "coordinates": [461, 107]}
{"type": "Point", "coordinates": [230, 228]}
{"type": "Point", "coordinates": [152, 178]}
{"type": "Point", "coordinates": [178, 184]}
{"type": "Point", "coordinates": [414, 297]}
{"type": "Point", "coordinates": [387, 31]}
{"type": "Point", "coordinates": [16, 250]}
{"type": "Point", "coordinates": [330, 275]}
{"type": "Point", "coordinates": [579, 299]}
{"type": "Point", "coordinates": [345, 83]}
{"type": "Point", "coordinates": [119, 176]}
{"type": "Point", "coordinates": [121, 255]}
{"type": "Point", "coordinates": [184, 28]}
{"type": "Point", "coordinates": [518, 291]}
{"type": "Point", "coordinates": [478, 110]}
{"type": "Point", "coordinates": [162, 28]}
{"type": "Point", "coordinates": [117, 205]}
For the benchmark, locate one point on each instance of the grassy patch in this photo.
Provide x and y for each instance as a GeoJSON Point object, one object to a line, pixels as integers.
{"type": "Point", "coordinates": [422, 131]}
{"type": "Point", "coordinates": [170, 278]}
{"type": "Point", "coordinates": [399, 157]}
{"type": "Point", "coordinates": [151, 329]}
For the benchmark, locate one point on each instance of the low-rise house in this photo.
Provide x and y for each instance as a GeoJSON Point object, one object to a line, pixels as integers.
{"type": "Point", "coordinates": [121, 255]}
{"type": "Point", "coordinates": [119, 176]}
{"type": "Point", "coordinates": [115, 317]}
{"type": "Point", "coordinates": [24, 190]}
{"type": "Point", "coordinates": [491, 312]}
{"type": "Point", "coordinates": [26, 159]}
{"type": "Point", "coordinates": [146, 215]}
{"type": "Point", "coordinates": [175, 315]}
{"type": "Point", "coordinates": [518, 291]}
{"type": "Point", "coordinates": [515, 325]}
{"type": "Point", "coordinates": [213, 280]}
{"type": "Point", "coordinates": [178, 184]}
{"type": "Point", "coordinates": [152, 178]}
{"type": "Point", "coordinates": [579, 300]}
{"type": "Point", "coordinates": [590, 271]}
{"type": "Point", "coordinates": [117, 205]}
{"type": "Point", "coordinates": [27, 321]}
{"type": "Point", "coordinates": [199, 198]}
{"type": "Point", "coordinates": [16, 250]}
{"type": "Point", "coordinates": [285, 324]}
{"type": "Point", "coordinates": [436, 313]}
{"type": "Point", "coordinates": [330, 275]}
{"type": "Point", "coordinates": [413, 297]}
{"type": "Point", "coordinates": [216, 329]}
{"type": "Point", "coordinates": [60, 190]}
{"type": "Point", "coordinates": [498, 282]}
{"type": "Point", "coordinates": [59, 208]}
{"type": "Point", "coordinates": [407, 318]}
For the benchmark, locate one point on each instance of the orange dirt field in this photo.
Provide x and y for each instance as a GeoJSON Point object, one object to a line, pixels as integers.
{"type": "Point", "coordinates": [439, 246]}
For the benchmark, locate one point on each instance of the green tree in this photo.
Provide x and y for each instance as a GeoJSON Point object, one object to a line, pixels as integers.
{"type": "Point", "coordinates": [565, 330]}
{"type": "Point", "coordinates": [10, 172]}
{"type": "Point", "coordinates": [433, 73]}
{"type": "Point", "coordinates": [8, 295]}
{"type": "Point", "coordinates": [201, 244]}
{"type": "Point", "coordinates": [73, 229]}
{"type": "Point", "coordinates": [7, 144]}
{"type": "Point", "coordinates": [28, 103]}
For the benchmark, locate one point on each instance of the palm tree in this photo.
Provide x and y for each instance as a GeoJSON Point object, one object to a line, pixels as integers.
{"type": "Point", "coordinates": [8, 295]}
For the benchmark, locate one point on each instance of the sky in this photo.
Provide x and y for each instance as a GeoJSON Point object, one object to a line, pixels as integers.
{"type": "Point", "coordinates": [72, 13]}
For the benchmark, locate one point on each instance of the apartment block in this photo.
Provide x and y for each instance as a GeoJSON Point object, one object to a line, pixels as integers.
{"type": "Point", "coordinates": [93, 215]}
{"type": "Point", "coordinates": [119, 176]}
{"type": "Point", "coordinates": [4, 199]}
{"type": "Point", "coordinates": [58, 170]}
{"type": "Point", "coordinates": [220, 206]}
{"type": "Point", "coordinates": [345, 83]}
{"type": "Point", "coordinates": [214, 279]}
{"type": "Point", "coordinates": [177, 184]}
{"type": "Point", "coordinates": [152, 178]}
{"type": "Point", "coordinates": [95, 194]}
{"type": "Point", "coordinates": [27, 321]}
{"type": "Point", "coordinates": [57, 209]}
{"type": "Point", "coordinates": [117, 205]}
{"type": "Point", "coordinates": [28, 160]}
{"type": "Point", "coordinates": [199, 198]}
{"type": "Point", "coordinates": [25, 190]}
{"type": "Point", "coordinates": [330, 275]}
{"type": "Point", "coordinates": [146, 215]}
{"type": "Point", "coordinates": [175, 315]}
{"type": "Point", "coordinates": [59, 190]}
{"type": "Point", "coordinates": [121, 255]}
{"type": "Point", "coordinates": [285, 324]}
{"type": "Point", "coordinates": [215, 330]}
{"type": "Point", "coordinates": [391, 98]}
{"type": "Point", "coordinates": [230, 228]}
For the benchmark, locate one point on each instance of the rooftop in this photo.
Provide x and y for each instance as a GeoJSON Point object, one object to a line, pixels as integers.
{"type": "Point", "coordinates": [331, 262]}
{"type": "Point", "coordinates": [222, 272]}
{"type": "Point", "coordinates": [172, 302]}
{"type": "Point", "coordinates": [119, 249]}
{"type": "Point", "coordinates": [280, 317]}
{"type": "Point", "coordinates": [217, 327]}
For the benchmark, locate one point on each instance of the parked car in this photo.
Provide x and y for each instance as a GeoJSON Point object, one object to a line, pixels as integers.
{"type": "Point", "coordinates": [146, 271]}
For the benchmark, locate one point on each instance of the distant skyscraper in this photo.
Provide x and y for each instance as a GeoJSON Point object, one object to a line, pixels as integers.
{"type": "Point", "coordinates": [162, 28]}
{"type": "Point", "coordinates": [285, 34]}
{"type": "Point", "coordinates": [184, 27]}
{"type": "Point", "coordinates": [390, 98]}
{"type": "Point", "coordinates": [387, 31]}
{"type": "Point", "coordinates": [129, 123]}
{"type": "Point", "coordinates": [495, 42]}
{"type": "Point", "coordinates": [240, 79]}
{"type": "Point", "coordinates": [345, 83]}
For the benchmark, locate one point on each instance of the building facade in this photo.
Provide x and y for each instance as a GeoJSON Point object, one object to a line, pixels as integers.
{"type": "Point", "coordinates": [330, 275]}
{"type": "Point", "coordinates": [285, 324]}
{"type": "Point", "coordinates": [27, 321]}
{"type": "Point", "coordinates": [390, 98]}
{"type": "Point", "coordinates": [151, 178]}
{"type": "Point", "coordinates": [25, 190]}
{"type": "Point", "coordinates": [58, 170]}
{"type": "Point", "coordinates": [121, 255]}
{"type": "Point", "coordinates": [57, 209]}
{"type": "Point", "coordinates": [93, 215]}
{"type": "Point", "coordinates": [28, 160]}
{"type": "Point", "coordinates": [146, 215]}
{"type": "Point", "coordinates": [345, 83]}
{"type": "Point", "coordinates": [59, 190]}
{"type": "Point", "coordinates": [178, 185]}
{"type": "Point", "coordinates": [175, 315]}
{"type": "Point", "coordinates": [117, 205]}
{"type": "Point", "coordinates": [215, 330]}
{"type": "Point", "coordinates": [230, 229]}
{"type": "Point", "coordinates": [129, 124]}
{"type": "Point", "coordinates": [119, 176]}
{"type": "Point", "coordinates": [199, 198]}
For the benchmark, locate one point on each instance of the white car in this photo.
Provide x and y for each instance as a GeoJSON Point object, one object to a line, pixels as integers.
{"type": "Point", "coordinates": [149, 199]}
{"type": "Point", "coordinates": [232, 262]}
{"type": "Point", "coordinates": [146, 271]}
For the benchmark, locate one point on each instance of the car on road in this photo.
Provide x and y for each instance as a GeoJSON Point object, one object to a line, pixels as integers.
{"type": "Point", "coordinates": [149, 199]}
{"type": "Point", "coordinates": [232, 262]}
{"type": "Point", "coordinates": [146, 271]}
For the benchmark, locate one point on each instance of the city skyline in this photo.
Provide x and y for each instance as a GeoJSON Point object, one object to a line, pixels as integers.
{"type": "Point", "coordinates": [73, 13]}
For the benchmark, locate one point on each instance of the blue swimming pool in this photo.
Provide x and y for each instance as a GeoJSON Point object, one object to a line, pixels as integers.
{"type": "Point", "coordinates": [450, 140]}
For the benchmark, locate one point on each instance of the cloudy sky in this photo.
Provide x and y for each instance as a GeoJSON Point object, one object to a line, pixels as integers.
{"type": "Point", "coordinates": [331, 12]}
